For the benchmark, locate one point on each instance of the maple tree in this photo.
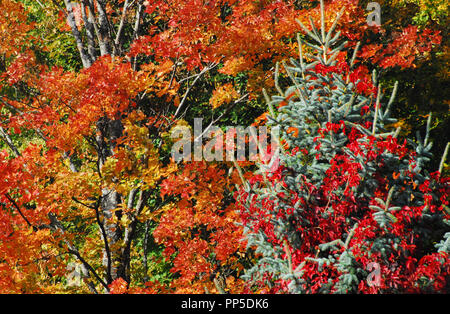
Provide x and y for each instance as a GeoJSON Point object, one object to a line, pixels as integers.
{"type": "Point", "coordinates": [89, 90]}
{"type": "Point", "coordinates": [87, 178]}
{"type": "Point", "coordinates": [200, 230]}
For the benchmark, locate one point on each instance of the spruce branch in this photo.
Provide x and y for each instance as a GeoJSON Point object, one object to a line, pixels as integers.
{"type": "Point", "coordinates": [392, 98]}
{"type": "Point", "coordinates": [299, 89]}
{"type": "Point", "coordinates": [307, 31]}
{"type": "Point", "coordinates": [277, 85]}
{"type": "Point", "coordinates": [444, 156]}
{"type": "Point", "coordinates": [300, 50]}
{"type": "Point", "coordinates": [350, 235]}
{"type": "Point", "coordinates": [377, 106]}
{"type": "Point", "coordinates": [322, 20]}
{"type": "Point", "coordinates": [427, 132]}
{"type": "Point", "coordinates": [333, 26]}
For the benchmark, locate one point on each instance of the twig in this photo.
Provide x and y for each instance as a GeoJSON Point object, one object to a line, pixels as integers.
{"type": "Point", "coordinates": [205, 69]}
{"type": "Point", "coordinates": [220, 117]}
{"type": "Point", "coordinates": [8, 141]}
{"type": "Point", "coordinates": [13, 202]}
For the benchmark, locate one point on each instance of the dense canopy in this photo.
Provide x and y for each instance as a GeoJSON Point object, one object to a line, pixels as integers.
{"type": "Point", "coordinates": [92, 200]}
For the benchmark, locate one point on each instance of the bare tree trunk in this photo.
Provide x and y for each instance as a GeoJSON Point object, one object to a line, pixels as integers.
{"type": "Point", "coordinates": [90, 29]}
{"type": "Point", "coordinates": [104, 30]}
{"type": "Point", "coordinates": [109, 131]}
{"type": "Point", "coordinates": [100, 33]}
{"type": "Point", "coordinates": [85, 58]}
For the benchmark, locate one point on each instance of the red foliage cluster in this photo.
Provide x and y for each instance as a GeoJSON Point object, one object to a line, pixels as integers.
{"type": "Point", "coordinates": [335, 209]}
{"type": "Point", "coordinates": [411, 265]}
{"type": "Point", "coordinates": [198, 230]}
{"type": "Point", "coordinates": [406, 47]}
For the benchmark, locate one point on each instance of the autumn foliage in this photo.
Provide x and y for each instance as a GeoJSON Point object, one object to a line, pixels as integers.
{"type": "Point", "coordinates": [90, 198]}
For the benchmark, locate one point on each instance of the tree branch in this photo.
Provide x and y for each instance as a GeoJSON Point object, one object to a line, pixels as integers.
{"type": "Point", "coordinates": [90, 29]}
{"type": "Point", "coordinates": [88, 266]}
{"type": "Point", "coordinates": [205, 69]}
{"type": "Point", "coordinates": [70, 17]}
{"type": "Point", "coordinates": [8, 141]}
{"type": "Point", "coordinates": [221, 116]}
{"type": "Point", "coordinates": [106, 29]}
{"type": "Point", "coordinates": [55, 224]}
{"type": "Point", "coordinates": [105, 241]}
{"type": "Point", "coordinates": [13, 202]}
{"type": "Point", "coordinates": [120, 29]}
